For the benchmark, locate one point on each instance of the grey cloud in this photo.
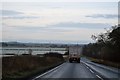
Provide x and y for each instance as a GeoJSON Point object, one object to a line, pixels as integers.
{"type": "Point", "coordinates": [62, 27]}
{"type": "Point", "coordinates": [69, 25]}
{"type": "Point", "coordinates": [20, 17]}
{"type": "Point", "coordinates": [39, 29]}
{"type": "Point", "coordinates": [81, 25]}
{"type": "Point", "coordinates": [65, 26]}
{"type": "Point", "coordinates": [9, 12]}
{"type": "Point", "coordinates": [107, 16]}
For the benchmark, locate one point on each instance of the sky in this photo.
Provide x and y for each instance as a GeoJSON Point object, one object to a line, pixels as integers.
{"type": "Point", "coordinates": [56, 21]}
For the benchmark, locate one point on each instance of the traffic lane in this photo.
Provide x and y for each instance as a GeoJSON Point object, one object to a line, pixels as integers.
{"type": "Point", "coordinates": [77, 70]}
{"type": "Point", "coordinates": [70, 70]}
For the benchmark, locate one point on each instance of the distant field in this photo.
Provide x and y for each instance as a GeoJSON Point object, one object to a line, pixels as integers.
{"type": "Point", "coordinates": [35, 50]}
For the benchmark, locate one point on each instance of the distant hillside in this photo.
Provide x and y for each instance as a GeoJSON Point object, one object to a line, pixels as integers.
{"type": "Point", "coordinates": [12, 44]}
{"type": "Point", "coordinates": [20, 44]}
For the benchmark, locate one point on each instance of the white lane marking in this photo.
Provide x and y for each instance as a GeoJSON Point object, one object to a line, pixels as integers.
{"type": "Point", "coordinates": [91, 70]}
{"type": "Point", "coordinates": [85, 64]}
{"type": "Point", "coordinates": [47, 72]}
{"type": "Point", "coordinates": [88, 67]}
{"type": "Point", "coordinates": [99, 77]}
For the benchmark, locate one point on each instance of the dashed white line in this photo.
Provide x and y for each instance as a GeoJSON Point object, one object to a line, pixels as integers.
{"type": "Point", "coordinates": [88, 67]}
{"type": "Point", "coordinates": [91, 70]}
{"type": "Point", "coordinates": [99, 77]}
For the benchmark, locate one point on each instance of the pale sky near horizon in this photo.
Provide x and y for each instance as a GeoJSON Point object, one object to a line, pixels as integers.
{"type": "Point", "coordinates": [59, 22]}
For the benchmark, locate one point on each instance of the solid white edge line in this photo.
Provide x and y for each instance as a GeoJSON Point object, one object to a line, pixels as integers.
{"type": "Point", "coordinates": [99, 77]}
{"type": "Point", "coordinates": [88, 67]}
{"type": "Point", "coordinates": [91, 70]}
{"type": "Point", "coordinates": [96, 75]}
{"type": "Point", "coordinates": [48, 72]}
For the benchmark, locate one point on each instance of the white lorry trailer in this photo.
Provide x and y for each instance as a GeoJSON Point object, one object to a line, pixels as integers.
{"type": "Point", "coordinates": [74, 53]}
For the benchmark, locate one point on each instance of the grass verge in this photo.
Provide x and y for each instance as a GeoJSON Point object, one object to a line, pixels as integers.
{"type": "Point", "coordinates": [104, 62]}
{"type": "Point", "coordinates": [25, 67]}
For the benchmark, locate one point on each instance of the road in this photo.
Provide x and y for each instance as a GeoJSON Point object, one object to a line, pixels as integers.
{"type": "Point", "coordinates": [79, 70]}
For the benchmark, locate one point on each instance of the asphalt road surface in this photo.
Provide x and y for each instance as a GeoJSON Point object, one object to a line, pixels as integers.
{"type": "Point", "coordinates": [81, 70]}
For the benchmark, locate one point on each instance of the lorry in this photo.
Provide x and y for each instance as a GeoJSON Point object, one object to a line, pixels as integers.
{"type": "Point", "coordinates": [74, 54]}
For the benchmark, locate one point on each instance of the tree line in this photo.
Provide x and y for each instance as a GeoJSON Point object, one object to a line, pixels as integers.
{"type": "Point", "coordinates": [107, 45]}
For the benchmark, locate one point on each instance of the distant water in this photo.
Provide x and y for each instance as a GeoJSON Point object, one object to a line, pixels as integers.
{"type": "Point", "coordinates": [35, 50]}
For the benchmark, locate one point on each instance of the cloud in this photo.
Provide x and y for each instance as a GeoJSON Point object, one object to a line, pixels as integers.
{"type": "Point", "coordinates": [48, 34]}
{"type": "Point", "coordinates": [108, 16]}
{"type": "Point", "coordinates": [81, 25]}
{"type": "Point", "coordinates": [9, 12]}
{"type": "Point", "coordinates": [20, 17]}
{"type": "Point", "coordinates": [58, 21]}
{"type": "Point", "coordinates": [63, 26]}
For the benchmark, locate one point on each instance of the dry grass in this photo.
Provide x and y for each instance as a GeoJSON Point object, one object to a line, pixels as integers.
{"type": "Point", "coordinates": [104, 62]}
{"type": "Point", "coordinates": [21, 66]}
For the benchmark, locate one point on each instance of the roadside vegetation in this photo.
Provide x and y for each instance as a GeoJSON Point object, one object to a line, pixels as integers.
{"type": "Point", "coordinates": [27, 66]}
{"type": "Point", "coordinates": [106, 50]}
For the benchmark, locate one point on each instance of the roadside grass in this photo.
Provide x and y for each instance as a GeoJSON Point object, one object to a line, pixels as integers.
{"type": "Point", "coordinates": [27, 66]}
{"type": "Point", "coordinates": [104, 62]}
